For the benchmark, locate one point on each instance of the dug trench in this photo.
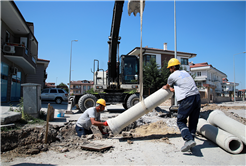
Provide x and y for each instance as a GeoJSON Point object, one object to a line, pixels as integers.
{"type": "Point", "coordinates": [152, 127]}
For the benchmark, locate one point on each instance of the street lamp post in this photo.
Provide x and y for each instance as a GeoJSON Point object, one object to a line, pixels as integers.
{"type": "Point", "coordinates": [234, 73]}
{"type": "Point", "coordinates": [70, 68]}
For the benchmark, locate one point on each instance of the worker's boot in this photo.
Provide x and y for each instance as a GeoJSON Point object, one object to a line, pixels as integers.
{"type": "Point", "coordinates": [188, 144]}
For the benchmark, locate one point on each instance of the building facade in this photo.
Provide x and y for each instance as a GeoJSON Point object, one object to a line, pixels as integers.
{"type": "Point", "coordinates": [207, 76]}
{"type": "Point", "coordinates": [19, 53]}
{"type": "Point", "coordinates": [80, 87]}
{"type": "Point", "coordinates": [162, 55]}
{"type": "Point", "coordinates": [228, 88]}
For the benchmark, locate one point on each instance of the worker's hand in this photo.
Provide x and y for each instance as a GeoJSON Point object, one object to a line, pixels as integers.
{"type": "Point", "coordinates": [164, 87]}
{"type": "Point", "coordinates": [171, 89]}
{"type": "Point", "coordinates": [105, 123]}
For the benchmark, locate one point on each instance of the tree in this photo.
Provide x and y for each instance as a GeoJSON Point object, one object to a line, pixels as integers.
{"type": "Point", "coordinates": [151, 75]}
{"type": "Point", "coordinates": [63, 86]}
{"type": "Point", "coordinates": [154, 77]}
{"type": "Point", "coordinates": [164, 73]}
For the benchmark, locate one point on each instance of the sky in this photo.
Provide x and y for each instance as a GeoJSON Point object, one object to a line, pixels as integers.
{"type": "Point", "coordinates": [214, 30]}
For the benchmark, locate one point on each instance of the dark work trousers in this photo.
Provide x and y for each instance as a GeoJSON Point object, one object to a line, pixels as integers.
{"type": "Point", "coordinates": [189, 107]}
{"type": "Point", "coordinates": [82, 131]}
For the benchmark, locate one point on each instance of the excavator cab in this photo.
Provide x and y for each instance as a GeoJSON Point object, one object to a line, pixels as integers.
{"type": "Point", "coordinates": [129, 69]}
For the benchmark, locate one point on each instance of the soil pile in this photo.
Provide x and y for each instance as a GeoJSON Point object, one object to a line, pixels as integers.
{"type": "Point", "coordinates": [156, 128]}
{"type": "Point", "coordinates": [31, 140]}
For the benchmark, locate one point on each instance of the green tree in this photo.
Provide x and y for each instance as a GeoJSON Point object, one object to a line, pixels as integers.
{"type": "Point", "coordinates": [151, 75]}
{"type": "Point", "coordinates": [164, 74]}
{"type": "Point", "coordinates": [154, 77]}
{"type": "Point", "coordinates": [64, 85]}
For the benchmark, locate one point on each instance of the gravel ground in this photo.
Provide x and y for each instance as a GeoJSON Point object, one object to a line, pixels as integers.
{"type": "Point", "coordinates": [155, 140]}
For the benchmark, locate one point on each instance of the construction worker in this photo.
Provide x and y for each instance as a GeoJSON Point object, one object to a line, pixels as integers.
{"type": "Point", "coordinates": [189, 101]}
{"type": "Point", "coordinates": [91, 116]}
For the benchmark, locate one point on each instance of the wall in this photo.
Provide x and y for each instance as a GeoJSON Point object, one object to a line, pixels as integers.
{"type": "Point", "coordinates": [204, 101]}
{"type": "Point", "coordinates": [37, 78]}
{"type": "Point", "coordinates": [158, 60]}
{"type": "Point", "coordinates": [219, 99]}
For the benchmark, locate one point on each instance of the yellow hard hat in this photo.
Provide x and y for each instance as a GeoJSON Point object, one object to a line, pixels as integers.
{"type": "Point", "coordinates": [102, 102]}
{"type": "Point", "coordinates": [173, 62]}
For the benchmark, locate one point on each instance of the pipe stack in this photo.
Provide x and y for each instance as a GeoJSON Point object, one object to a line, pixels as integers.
{"type": "Point", "coordinates": [224, 131]}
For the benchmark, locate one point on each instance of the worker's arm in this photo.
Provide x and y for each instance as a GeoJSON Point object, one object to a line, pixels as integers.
{"type": "Point", "coordinates": [100, 128]}
{"type": "Point", "coordinates": [97, 123]}
{"type": "Point", "coordinates": [167, 86]}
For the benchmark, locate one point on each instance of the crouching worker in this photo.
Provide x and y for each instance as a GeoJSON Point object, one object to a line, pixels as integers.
{"type": "Point", "coordinates": [91, 116]}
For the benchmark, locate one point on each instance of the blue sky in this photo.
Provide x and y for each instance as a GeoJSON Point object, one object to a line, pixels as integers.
{"type": "Point", "coordinates": [215, 31]}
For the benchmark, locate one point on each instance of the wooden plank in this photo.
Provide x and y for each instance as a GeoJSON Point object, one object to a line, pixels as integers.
{"type": "Point", "coordinates": [93, 146]}
{"type": "Point", "coordinates": [47, 124]}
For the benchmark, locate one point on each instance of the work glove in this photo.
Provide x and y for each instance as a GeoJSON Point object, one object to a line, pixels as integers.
{"type": "Point", "coordinates": [103, 133]}
{"type": "Point", "coordinates": [105, 123]}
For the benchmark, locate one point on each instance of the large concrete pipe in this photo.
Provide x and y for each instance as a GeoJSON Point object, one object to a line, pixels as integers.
{"type": "Point", "coordinates": [222, 138]}
{"type": "Point", "coordinates": [132, 114]}
{"type": "Point", "coordinates": [219, 119]}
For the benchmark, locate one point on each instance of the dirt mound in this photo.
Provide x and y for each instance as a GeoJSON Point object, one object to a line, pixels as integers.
{"type": "Point", "coordinates": [156, 128]}
{"type": "Point", "coordinates": [31, 140]}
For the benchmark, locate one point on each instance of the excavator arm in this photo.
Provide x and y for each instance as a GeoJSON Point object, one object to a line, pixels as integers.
{"type": "Point", "coordinates": [113, 64]}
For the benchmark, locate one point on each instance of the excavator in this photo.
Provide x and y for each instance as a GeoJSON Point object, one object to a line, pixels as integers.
{"type": "Point", "coordinates": [119, 83]}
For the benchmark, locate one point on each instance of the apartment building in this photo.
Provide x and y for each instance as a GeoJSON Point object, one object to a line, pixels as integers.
{"type": "Point", "coordinates": [19, 53]}
{"type": "Point", "coordinates": [207, 76]}
{"type": "Point", "coordinates": [80, 87]}
{"type": "Point", "coordinates": [162, 55]}
{"type": "Point", "coordinates": [228, 88]}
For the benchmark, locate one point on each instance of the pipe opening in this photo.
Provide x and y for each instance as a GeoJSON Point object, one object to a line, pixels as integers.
{"type": "Point", "coordinates": [234, 145]}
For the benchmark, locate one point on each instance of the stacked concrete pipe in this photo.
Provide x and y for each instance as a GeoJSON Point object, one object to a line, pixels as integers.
{"type": "Point", "coordinates": [222, 138]}
{"type": "Point", "coordinates": [218, 118]}
{"type": "Point", "coordinates": [132, 114]}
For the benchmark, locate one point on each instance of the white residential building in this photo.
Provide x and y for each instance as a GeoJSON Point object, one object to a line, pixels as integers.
{"type": "Point", "coordinates": [207, 76]}
{"type": "Point", "coordinates": [228, 87]}
{"type": "Point", "coordinates": [162, 55]}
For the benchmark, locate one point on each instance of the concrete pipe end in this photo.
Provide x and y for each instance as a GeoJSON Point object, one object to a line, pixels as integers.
{"type": "Point", "coordinates": [233, 145]}
{"type": "Point", "coordinates": [212, 116]}
{"type": "Point", "coordinates": [114, 129]}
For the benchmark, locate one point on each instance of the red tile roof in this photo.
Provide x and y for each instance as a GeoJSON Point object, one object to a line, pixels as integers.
{"type": "Point", "coordinates": [81, 82]}
{"type": "Point", "coordinates": [200, 65]}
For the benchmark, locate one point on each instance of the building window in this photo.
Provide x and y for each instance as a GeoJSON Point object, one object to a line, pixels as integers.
{"type": "Point", "coordinates": [146, 58]}
{"type": "Point", "coordinates": [198, 74]}
{"type": "Point", "coordinates": [184, 61]}
{"type": "Point", "coordinates": [16, 87]}
{"type": "Point", "coordinates": [4, 81]}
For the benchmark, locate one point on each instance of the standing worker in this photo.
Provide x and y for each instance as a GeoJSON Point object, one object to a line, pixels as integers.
{"type": "Point", "coordinates": [91, 116]}
{"type": "Point", "coordinates": [188, 97]}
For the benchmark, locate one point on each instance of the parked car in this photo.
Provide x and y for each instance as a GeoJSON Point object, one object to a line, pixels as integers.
{"type": "Point", "coordinates": [54, 94]}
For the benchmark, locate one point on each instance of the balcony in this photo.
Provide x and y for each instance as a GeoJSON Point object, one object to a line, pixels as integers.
{"type": "Point", "coordinates": [18, 54]}
{"type": "Point", "coordinates": [200, 78]}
